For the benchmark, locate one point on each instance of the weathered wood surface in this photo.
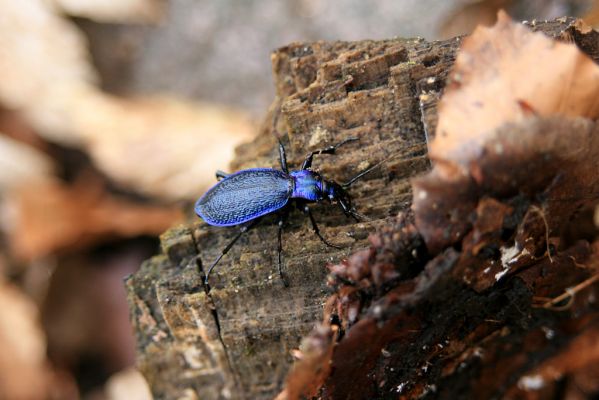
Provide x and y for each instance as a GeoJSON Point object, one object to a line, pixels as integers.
{"type": "Point", "coordinates": [235, 341]}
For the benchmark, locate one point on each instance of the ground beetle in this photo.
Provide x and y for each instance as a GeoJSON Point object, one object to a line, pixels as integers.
{"type": "Point", "coordinates": [243, 197]}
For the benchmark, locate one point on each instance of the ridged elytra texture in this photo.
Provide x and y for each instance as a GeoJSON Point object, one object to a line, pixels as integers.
{"type": "Point", "coordinates": [244, 196]}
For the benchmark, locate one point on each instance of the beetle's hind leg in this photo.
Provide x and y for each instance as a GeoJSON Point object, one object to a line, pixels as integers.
{"type": "Point", "coordinates": [306, 210]}
{"type": "Point", "coordinates": [220, 175]}
{"type": "Point", "coordinates": [282, 220]}
{"type": "Point", "coordinates": [243, 230]}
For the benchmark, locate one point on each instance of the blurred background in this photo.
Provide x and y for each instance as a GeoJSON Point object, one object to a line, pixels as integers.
{"type": "Point", "coordinates": [114, 116]}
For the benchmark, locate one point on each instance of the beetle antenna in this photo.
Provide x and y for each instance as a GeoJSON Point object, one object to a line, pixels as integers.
{"type": "Point", "coordinates": [361, 174]}
{"type": "Point", "coordinates": [415, 148]}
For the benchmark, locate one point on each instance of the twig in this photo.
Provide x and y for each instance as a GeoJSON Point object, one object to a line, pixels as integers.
{"type": "Point", "coordinates": [539, 211]}
{"type": "Point", "coordinates": [569, 294]}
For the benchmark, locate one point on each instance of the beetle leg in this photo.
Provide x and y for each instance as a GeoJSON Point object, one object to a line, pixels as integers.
{"type": "Point", "coordinates": [243, 230]}
{"type": "Point", "coordinates": [282, 220]}
{"type": "Point", "coordinates": [283, 158]}
{"type": "Point", "coordinates": [221, 175]}
{"type": "Point", "coordinates": [316, 230]}
{"type": "Point", "coordinates": [350, 211]}
{"type": "Point", "coordinates": [327, 150]}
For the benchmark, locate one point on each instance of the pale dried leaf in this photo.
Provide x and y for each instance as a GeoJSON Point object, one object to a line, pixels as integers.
{"type": "Point", "coordinates": [160, 146]}
{"type": "Point", "coordinates": [515, 118]}
{"type": "Point", "coordinates": [43, 57]}
{"type": "Point", "coordinates": [20, 164]}
{"type": "Point", "coordinates": [128, 384]}
{"type": "Point", "coordinates": [469, 14]}
{"type": "Point", "coordinates": [507, 73]}
{"type": "Point", "coordinates": [122, 11]}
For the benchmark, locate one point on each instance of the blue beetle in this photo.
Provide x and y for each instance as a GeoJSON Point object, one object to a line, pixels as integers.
{"type": "Point", "coordinates": [243, 197]}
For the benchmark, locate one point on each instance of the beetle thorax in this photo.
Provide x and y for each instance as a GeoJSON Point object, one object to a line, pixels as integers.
{"type": "Point", "coordinates": [308, 185]}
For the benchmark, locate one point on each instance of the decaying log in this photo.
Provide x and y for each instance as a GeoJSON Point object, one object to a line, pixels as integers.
{"type": "Point", "coordinates": [236, 340]}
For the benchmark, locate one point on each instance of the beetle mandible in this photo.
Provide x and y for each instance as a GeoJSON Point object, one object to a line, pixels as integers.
{"type": "Point", "coordinates": [243, 197]}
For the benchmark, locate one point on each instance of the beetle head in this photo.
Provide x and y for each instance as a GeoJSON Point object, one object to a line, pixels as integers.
{"type": "Point", "coordinates": [337, 194]}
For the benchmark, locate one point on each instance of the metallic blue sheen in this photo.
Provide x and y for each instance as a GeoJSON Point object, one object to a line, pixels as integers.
{"type": "Point", "coordinates": [244, 196]}
{"type": "Point", "coordinates": [308, 185]}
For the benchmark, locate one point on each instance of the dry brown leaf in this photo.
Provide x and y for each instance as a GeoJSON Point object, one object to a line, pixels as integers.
{"type": "Point", "coordinates": [14, 126]}
{"type": "Point", "coordinates": [36, 76]}
{"type": "Point", "coordinates": [578, 356]}
{"type": "Point", "coordinates": [159, 146]}
{"type": "Point", "coordinates": [50, 217]}
{"type": "Point", "coordinates": [493, 130]}
{"type": "Point", "coordinates": [553, 158]}
{"type": "Point", "coordinates": [468, 16]}
{"type": "Point", "coordinates": [592, 15]}
{"type": "Point", "coordinates": [313, 365]}
{"type": "Point", "coordinates": [506, 74]}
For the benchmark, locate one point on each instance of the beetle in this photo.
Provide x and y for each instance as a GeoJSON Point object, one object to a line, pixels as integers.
{"type": "Point", "coordinates": [244, 197]}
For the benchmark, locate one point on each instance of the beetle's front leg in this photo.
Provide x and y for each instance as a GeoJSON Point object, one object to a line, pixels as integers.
{"type": "Point", "coordinates": [306, 209]}
{"type": "Point", "coordinates": [327, 150]}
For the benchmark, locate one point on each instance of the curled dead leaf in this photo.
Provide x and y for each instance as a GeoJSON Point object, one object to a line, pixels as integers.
{"type": "Point", "coordinates": [162, 147]}
{"type": "Point", "coordinates": [507, 73]}
{"type": "Point", "coordinates": [470, 14]}
{"type": "Point", "coordinates": [123, 11]}
{"type": "Point", "coordinates": [159, 146]}
{"type": "Point", "coordinates": [492, 134]}
{"type": "Point", "coordinates": [71, 217]}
